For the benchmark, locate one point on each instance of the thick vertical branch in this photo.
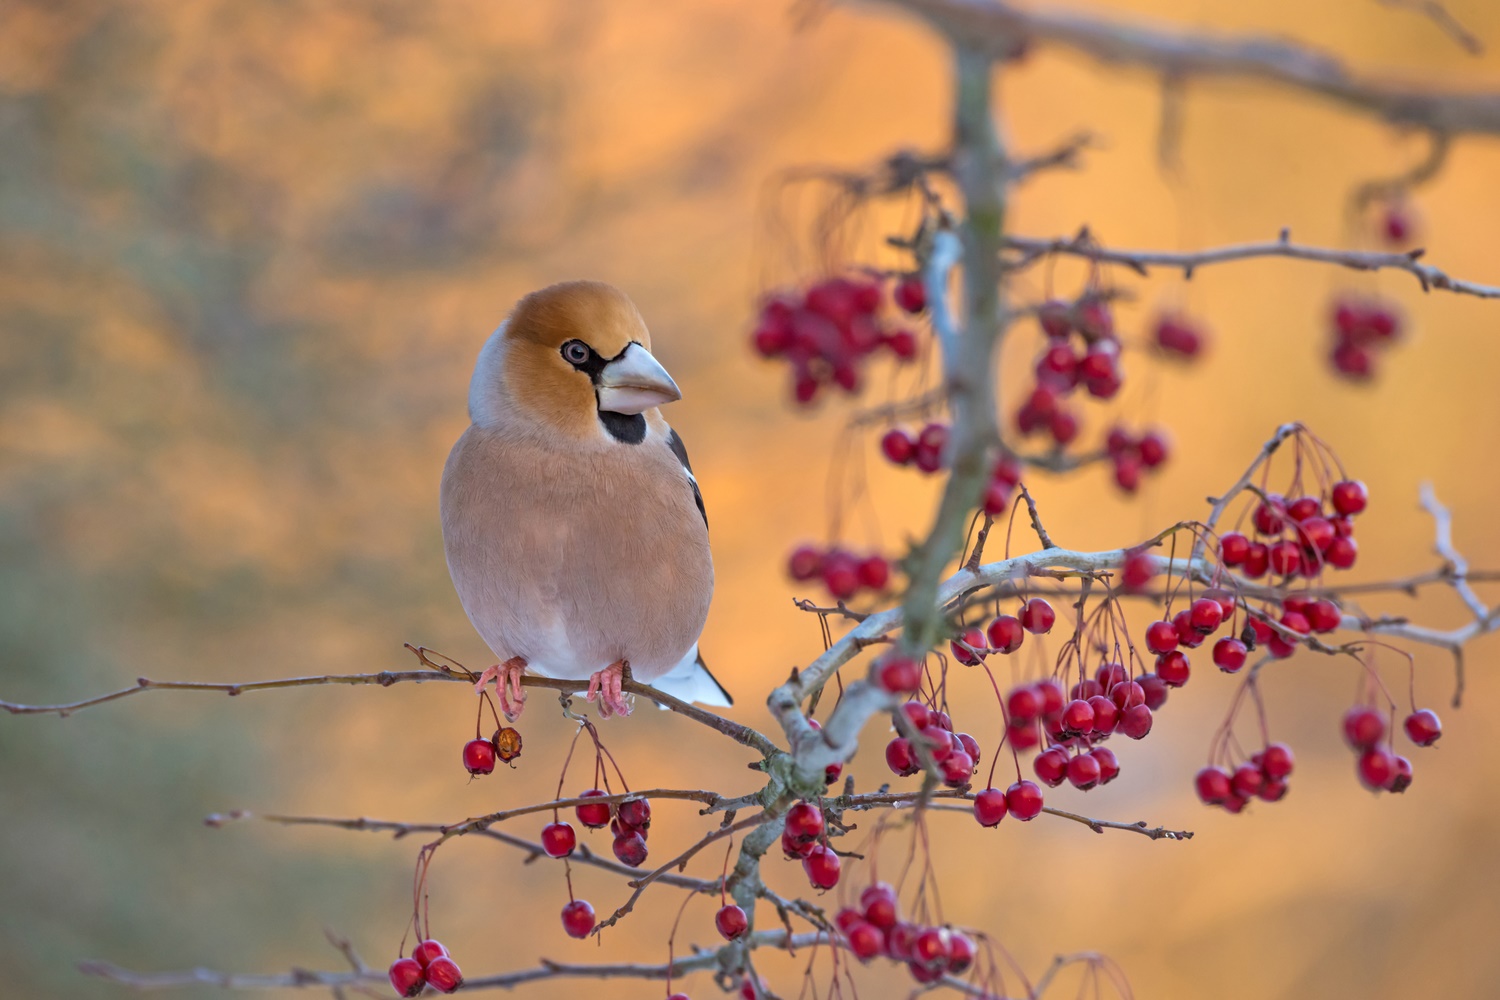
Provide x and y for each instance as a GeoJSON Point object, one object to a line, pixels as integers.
{"type": "Point", "coordinates": [979, 166]}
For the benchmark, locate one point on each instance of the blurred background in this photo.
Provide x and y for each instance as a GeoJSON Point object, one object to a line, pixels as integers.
{"type": "Point", "coordinates": [249, 254]}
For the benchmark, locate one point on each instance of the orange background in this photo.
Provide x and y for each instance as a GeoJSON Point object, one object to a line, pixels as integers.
{"type": "Point", "coordinates": [250, 252]}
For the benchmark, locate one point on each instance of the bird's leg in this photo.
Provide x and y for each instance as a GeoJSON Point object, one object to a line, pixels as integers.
{"type": "Point", "coordinates": [606, 686]}
{"type": "Point", "coordinates": [507, 677]}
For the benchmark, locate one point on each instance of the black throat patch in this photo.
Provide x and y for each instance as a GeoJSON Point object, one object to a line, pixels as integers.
{"type": "Point", "coordinates": [626, 428]}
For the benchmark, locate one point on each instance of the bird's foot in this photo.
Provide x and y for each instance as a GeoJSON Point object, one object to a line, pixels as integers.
{"type": "Point", "coordinates": [507, 677]}
{"type": "Point", "coordinates": [606, 687]}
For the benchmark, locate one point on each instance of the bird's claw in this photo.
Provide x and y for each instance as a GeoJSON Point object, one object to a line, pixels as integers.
{"type": "Point", "coordinates": [507, 677]}
{"type": "Point", "coordinates": [605, 686]}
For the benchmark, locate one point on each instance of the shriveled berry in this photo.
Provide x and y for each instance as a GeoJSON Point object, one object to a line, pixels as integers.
{"type": "Point", "coordinates": [558, 840]}
{"type": "Point", "coordinates": [1024, 800]}
{"type": "Point", "coordinates": [1423, 727]}
{"type": "Point", "coordinates": [1229, 655]}
{"type": "Point", "coordinates": [990, 807]}
{"type": "Point", "coordinates": [444, 975]}
{"type": "Point", "coordinates": [635, 813]}
{"type": "Point", "coordinates": [407, 977]}
{"type": "Point", "coordinates": [578, 918]}
{"type": "Point", "coordinates": [479, 757]}
{"type": "Point", "coordinates": [822, 867]}
{"type": "Point", "coordinates": [731, 921]}
{"type": "Point", "coordinates": [1037, 616]}
{"type": "Point", "coordinates": [630, 848]}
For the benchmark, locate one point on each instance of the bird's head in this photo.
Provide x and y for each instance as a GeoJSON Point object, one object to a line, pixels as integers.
{"type": "Point", "coordinates": [576, 357]}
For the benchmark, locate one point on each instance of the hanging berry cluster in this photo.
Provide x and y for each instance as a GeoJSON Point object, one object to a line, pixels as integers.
{"type": "Point", "coordinates": [1300, 536]}
{"type": "Point", "coordinates": [827, 333]}
{"type": "Point", "coordinates": [843, 573]}
{"type": "Point", "coordinates": [1177, 335]}
{"type": "Point", "coordinates": [875, 928]}
{"type": "Point", "coordinates": [1362, 328]}
{"type": "Point", "coordinates": [1134, 454]}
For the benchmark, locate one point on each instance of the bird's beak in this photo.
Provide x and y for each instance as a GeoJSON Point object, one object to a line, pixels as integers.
{"type": "Point", "coordinates": [635, 381]}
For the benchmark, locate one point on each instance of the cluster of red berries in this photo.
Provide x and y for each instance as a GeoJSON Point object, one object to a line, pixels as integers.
{"type": "Point", "coordinates": [480, 755]}
{"type": "Point", "coordinates": [955, 754]}
{"type": "Point", "coordinates": [826, 333]}
{"type": "Point", "coordinates": [1301, 536]}
{"type": "Point", "coordinates": [1062, 366]}
{"type": "Point", "coordinates": [429, 965]}
{"type": "Point", "coordinates": [1300, 615]}
{"type": "Point", "coordinates": [1263, 776]}
{"type": "Point", "coordinates": [876, 928]}
{"type": "Point", "coordinates": [1380, 768]}
{"type": "Point", "coordinates": [1189, 629]}
{"type": "Point", "coordinates": [843, 573]}
{"type": "Point", "coordinates": [1004, 634]}
{"type": "Point", "coordinates": [1179, 335]}
{"type": "Point", "coordinates": [803, 836]}
{"type": "Point", "coordinates": [1133, 455]}
{"type": "Point", "coordinates": [630, 822]}
{"type": "Point", "coordinates": [1094, 709]}
{"type": "Point", "coordinates": [924, 449]}
{"type": "Point", "coordinates": [1362, 327]}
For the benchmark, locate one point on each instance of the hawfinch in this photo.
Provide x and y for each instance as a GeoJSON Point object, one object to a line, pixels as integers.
{"type": "Point", "coordinates": [575, 533]}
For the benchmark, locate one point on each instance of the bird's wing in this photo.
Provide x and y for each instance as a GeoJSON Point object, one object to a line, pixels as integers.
{"type": "Point", "coordinates": [691, 681]}
{"type": "Point", "coordinates": [674, 441]}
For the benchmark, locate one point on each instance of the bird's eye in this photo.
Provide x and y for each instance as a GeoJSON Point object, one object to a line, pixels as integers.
{"type": "Point", "coordinates": [575, 352]}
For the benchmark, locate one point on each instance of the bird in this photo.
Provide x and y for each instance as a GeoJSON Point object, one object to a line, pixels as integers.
{"type": "Point", "coordinates": [573, 525]}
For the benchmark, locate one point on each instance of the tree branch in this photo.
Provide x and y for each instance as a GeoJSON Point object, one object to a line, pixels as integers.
{"type": "Point", "coordinates": [998, 27]}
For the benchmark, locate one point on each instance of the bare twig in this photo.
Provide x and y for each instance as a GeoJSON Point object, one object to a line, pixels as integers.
{"type": "Point", "coordinates": [1445, 21]}
{"type": "Point", "coordinates": [998, 26]}
{"type": "Point", "coordinates": [1036, 520]}
{"type": "Point", "coordinates": [1083, 245]}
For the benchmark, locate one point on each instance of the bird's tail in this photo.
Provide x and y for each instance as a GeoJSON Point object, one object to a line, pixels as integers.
{"type": "Point", "coordinates": [691, 681]}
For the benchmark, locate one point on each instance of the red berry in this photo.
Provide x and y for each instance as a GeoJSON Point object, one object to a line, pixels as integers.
{"type": "Point", "coordinates": [731, 921]}
{"type": "Point", "coordinates": [841, 574]}
{"type": "Point", "coordinates": [969, 648]}
{"type": "Point", "coordinates": [1400, 780]}
{"type": "Point", "coordinates": [1206, 613]}
{"type": "Point", "coordinates": [902, 343]}
{"type": "Point", "coordinates": [900, 758]}
{"type": "Point", "coordinates": [1037, 616]}
{"type": "Point", "coordinates": [1136, 571]}
{"type": "Point", "coordinates": [1229, 654]}
{"type": "Point", "coordinates": [578, 918]}
{"type": "Point", "coordinates": [805, 563]}
{"type": "Point", "coordinates": [898, 446]}
{"type": "Point", "coordinates": [793, 849]}
{"type": "Point", "coordinates": [593, 816]}
{"type": "Point", "coordinates": [1161, 637]}
{"type": "Point", "coordinates": [930, 948]}
{"type": "Point", "coordinates": [1023, 704]}
{"type": "Point", "coordinates": [1173, 668]}
{"type": "Point", "coordinates": [426, 951]}
{"type": "Point", "coordinates": [1213, 784]}
{"type": "Point", "coordinates": [1323, 616]}
{"type": "Point", "coordinates": [990, 807]}
{"type": "Point", "coordinates": [407, 977]}
{"type": "Point", "coordinates": [1054, 319]}
{"type": "Point", "coordinates": [635, 813]}
{"type": "Point", "coordinates": [911, 294]}
{"type": "Point", "coordinates": [939, 742]}
{"type": "Point", "coordinates": [1233, 548]}
{"type": "Point", "coordinates": [1188, 637]}
{"type": "Point", "coordinates": [1153, 449]}
{"type": "Point", "coordinates": [558, 840]}
{"type": "Point", "coordinates": [1051, 766]}
{"type": "Point", "coordinates": [1127, 472]}
{"type": "Point", "coordinates": [1024, 800]}
{"type": "Point", "coordinates": [1136, 722]}
{"type": "Point", "coordinates": [1154, 689]}
{"type": "Point", "coordinates": [1106, 715]}
{"type": "Point", "coordinates": [804, 822]}
{"type": "Point", "coordinates": [1257, 560]}
{"type": "Point", "coordinates": [899, 674]}
{"type": "Point", "coordinates": [479, 756]}
{"type": "Point", "coordinates": [1108, 675]}
{"type": "Point", "coordinates": [1246, 780]}
{"type": "Point", "coordinates": [1109, 764]}
{"type": "Point", "coordinates": [1051, 693]}
{"type": "Point", "coordinates": [630, 848]}
{"type": "Point", "coordinates": [918, 714]}
{"type": "Point", "coordinates": [1269, 516]}
{"type": "Point", "coordinates": [957, 768]}
{"type": "Point", "coordinates": [1341, 553]}
{"type": "Point", "coordinates": [1363, 728]}
{"type": "Point", "coordinates": [1277, 761]}
{"type": "Point", "coordinates": [874, 572]}
{"type": "Point", "coordinates": [1286, 558]}
{"type": "Point", "coordinates": [822, 867]}
{"type": "Point", "coordinates": [1423, 727]}
{"type": "Point", "coordinates": [443, 975]}
{"type": "Point", "coordinates": [865, 940]}
{"type": "Point", "coordinates": [1083, 771]}
{"type": "Point", "coordinates": [1005, 634]}
{"type": "Point", "coordinates": [1377, 766]}
{"type": "Point", "coordinates": [1126, 694]}
{"type": "Point", "coordinates": [960, 952]}
{"type": "Point", "coordinates": [1078, 717]}
{"type": "Point", "coordinates": [880, 906]}
{"type": "Point", "coordinates": [968, 745]}
{"type": "Point", "coordinates": [1349, 497]}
